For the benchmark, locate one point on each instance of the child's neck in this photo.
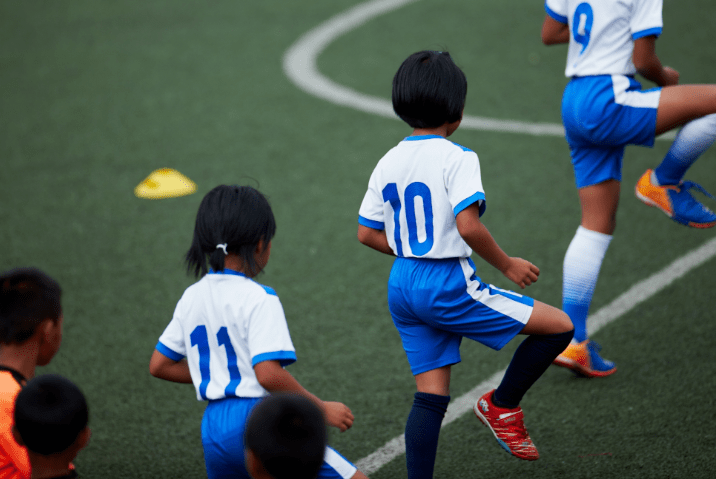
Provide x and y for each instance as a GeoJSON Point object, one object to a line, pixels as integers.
{"type": "Point", "coordinates": [47, 467]}
{"type": "Point", "coordinates": [234, 262]}
{"type": "Point", "coordinates": [439, 131]}
{"type": "Point", "coordinates": [20, 357]}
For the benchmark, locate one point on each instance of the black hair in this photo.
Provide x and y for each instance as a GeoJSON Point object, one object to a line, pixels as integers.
{"type": "Point", "coordinates": [27, 298]}
{"type": "Point", "coordinates": [237, 216]}
{"type": "Point", "coordinates": [50, 412]}
{"type": "Point", "coordinates": [429, 90]}
{"type": "Point", "coordinates": [287, 433]}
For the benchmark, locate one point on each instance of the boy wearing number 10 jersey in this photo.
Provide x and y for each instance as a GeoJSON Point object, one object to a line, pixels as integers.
{"type": "Point", "coordinates": [423, 205]}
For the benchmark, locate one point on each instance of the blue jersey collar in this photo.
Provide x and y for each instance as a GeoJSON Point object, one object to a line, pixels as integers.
{"type": "Point", "coordinates": [228, 271]}
{"type": "Point", "coordinates": [422, 137]}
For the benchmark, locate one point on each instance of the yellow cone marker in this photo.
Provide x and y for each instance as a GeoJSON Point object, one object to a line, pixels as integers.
{"type": "Point", "coordinates": [164, 183]}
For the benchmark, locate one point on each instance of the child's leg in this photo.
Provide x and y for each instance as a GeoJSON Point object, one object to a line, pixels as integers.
{"type": "Point", "coordinates": [682, 103]}
{"type": "Point", "coordinates": [586, 251]}
{"type": "Point", "coordinates": [662, 188]}
{"type": "Point", "coordinates": [550, 331]}
{"type": "Point", "coordinates": [426, 416]}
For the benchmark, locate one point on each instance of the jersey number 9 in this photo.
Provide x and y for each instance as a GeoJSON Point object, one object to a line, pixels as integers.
{"type": "Point", "coordinates": [582, 24]}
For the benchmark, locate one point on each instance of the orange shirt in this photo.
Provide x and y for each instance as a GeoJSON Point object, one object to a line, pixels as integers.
{"type": "Point", "coordinates": [14, 463]}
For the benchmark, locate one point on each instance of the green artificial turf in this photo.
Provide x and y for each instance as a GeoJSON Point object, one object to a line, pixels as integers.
{"type": "Point", "coordinates": [96, 95]}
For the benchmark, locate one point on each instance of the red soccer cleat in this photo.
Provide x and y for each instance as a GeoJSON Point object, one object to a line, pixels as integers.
{"type": "Point", "coordinates": [508, 427]}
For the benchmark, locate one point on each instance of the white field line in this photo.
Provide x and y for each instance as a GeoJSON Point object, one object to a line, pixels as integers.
{"type": "Point", "coordinates": [635, 295]}
{"type": "Point", "coordinates": [299, 65]}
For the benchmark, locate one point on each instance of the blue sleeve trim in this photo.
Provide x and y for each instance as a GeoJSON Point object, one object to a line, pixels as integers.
{"type": "Point", "coordinates": [646, 33]}
{"type": "Point", "coordinates": [174, 356]}
{"type": "Point", "coordinates": [555, 15]}
{"type": "Point", "coordinates": [464, 148]}
{"type": "Point", "coordinates": [268, 290]}
{"type": "Point", "coordinates": [468, 201]}
{"type": "Point", "coordinates": [283, 357]}
{"type": "Point", "coordinates": [376, 225]}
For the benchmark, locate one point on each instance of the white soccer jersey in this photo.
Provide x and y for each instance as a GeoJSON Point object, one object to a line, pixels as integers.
{"type": "Point", "coordinates": [416, 191]}
{"type": "Point", "coordinates": [602, 32]}
{"type": "Point", "coordinates": [224, 325]}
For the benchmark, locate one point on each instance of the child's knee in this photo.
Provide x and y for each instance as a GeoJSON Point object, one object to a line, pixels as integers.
{"type": "Point", "coordinates": [564, 323]}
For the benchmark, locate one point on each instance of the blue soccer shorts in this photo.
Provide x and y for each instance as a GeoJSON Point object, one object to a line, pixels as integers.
{"type": "Point", "coordinates": [437, 302]}
{"type": "Point", "coordinates": [601, 115]}
{"type": "Point", "coordinates": [222, 435]}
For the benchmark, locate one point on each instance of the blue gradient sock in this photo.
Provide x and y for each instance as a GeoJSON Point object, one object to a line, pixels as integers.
{"type": "Point", "coordinates": [692, 140]}
{"type": "Point", "coordinates": [422, 432]}
{"type": "Point", "coordinates": [530, 361]}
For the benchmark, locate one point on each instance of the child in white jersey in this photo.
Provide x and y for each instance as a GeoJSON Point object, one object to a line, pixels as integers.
{"type": "Point", "coordinates": [423, 205]}
{"type": "Point", "coordinates": [229, 335]}
{"type": "Point", "coordinates": [603, 110]}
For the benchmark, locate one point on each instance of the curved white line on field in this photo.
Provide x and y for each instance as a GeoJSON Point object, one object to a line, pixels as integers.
{"type": "Point", "coordinates": [299, 65]}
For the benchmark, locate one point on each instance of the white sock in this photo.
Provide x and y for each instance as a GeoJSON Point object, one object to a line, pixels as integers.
{"type": "Point", "coordinates": [582, 263]}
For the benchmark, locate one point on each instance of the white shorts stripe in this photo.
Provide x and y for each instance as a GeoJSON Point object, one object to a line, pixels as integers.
{"type": "Point", "coordinates": [341, 465]}
{"type": "Point", "coordinates": [635, 98]}
{"type": "Point", "coordinates": [497, 302]}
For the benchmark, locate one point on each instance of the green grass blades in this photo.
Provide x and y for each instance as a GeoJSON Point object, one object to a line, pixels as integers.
{"type": "Point", "coordinates": [98, 95]}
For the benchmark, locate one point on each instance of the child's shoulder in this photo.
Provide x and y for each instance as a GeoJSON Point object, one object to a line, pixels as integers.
{"type": "Point", "coordinates": [431, 142]}
{"type": "Point", "coordinates": [231, 282]}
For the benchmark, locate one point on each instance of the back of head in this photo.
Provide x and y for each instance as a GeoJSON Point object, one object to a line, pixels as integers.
{"type": "Point", "coordinates": [27, 298]}
{"type": "Point", "coordinates": [429, 90]}
{"type": "Point", "coordinates": [230, 219]}
{"type": "Point", "coordinates": [287, 433]}
{"type": "Point", "coordinates": [50, 413]}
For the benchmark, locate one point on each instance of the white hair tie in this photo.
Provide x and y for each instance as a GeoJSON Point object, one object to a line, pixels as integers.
{"type": "Point", "coordinates": [223, 246]}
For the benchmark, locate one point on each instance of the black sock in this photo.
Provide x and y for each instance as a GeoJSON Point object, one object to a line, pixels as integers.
{"type": "Point", "coordinates": [421, 433]}
{"type": "Point", "coordinates": [530, 361]}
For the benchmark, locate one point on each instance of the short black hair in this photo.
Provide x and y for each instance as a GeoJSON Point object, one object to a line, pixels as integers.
{"type": "Point", "coordinates": [429, 90]}
{"type": "Point", "coordinates": [27, 298]}
{"type": "Point", "coordinates": [287, 433]}
{"type": "Point", "coordinates": [50, 412]}
{"type": "Point", "coordinates": [237, 216]}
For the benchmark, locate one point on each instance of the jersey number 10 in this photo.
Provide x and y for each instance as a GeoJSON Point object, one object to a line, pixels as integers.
{"type": "Point", "coordinates": [200, 339]}
{"type": "Point", "coordinates": [390, 195]}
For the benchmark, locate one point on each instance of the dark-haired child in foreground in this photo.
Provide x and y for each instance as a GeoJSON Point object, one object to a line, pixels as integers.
{"type": "Point", "coordinates": [51, 418]}
{"type": "Point", "coordinates": [30, 336]}
{"type": "Point", "coordinates": [423, 205]}
{"type": "Point", "coordinates": [229, 334]}
{"type": "Point", "coordinates": [285, 438]}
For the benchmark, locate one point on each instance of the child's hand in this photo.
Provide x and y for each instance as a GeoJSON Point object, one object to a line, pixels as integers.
{"type": "Point", "coordinates": [338, 415]}
{"type": "Point", "coordinates": [521, 272]}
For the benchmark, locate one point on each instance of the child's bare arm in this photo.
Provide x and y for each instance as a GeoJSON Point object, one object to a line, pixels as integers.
{"type": "Point", "coordinates": [376, 239]}
{"type": "Point", "coordinates": [649, 66]}
{"type": "Point", "coordinates": [162, 367]}
{"type": "Point", "coordinates": [519, 271]}
{"type": "Point", "coordinates": [554, 32]}
{"type": "Point", "coordinates": [274, 378]}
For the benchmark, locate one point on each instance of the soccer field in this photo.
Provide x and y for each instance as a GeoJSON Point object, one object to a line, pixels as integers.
{"type": "Point", "coordinates": [96, 95]}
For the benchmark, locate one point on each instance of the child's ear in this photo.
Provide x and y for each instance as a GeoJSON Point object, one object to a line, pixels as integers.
{"type": "Point", "coordinates": [83, 438]}
{"type": "Point", "coordinates": [16, 435]}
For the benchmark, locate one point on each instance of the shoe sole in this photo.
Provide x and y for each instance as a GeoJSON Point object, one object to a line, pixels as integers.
{"type": "Point", "coordinates": [583, 370]}
{"type": "Point", "coordinates": [648, 201]}
{"type": "Point", "coordinates": [502, 443]}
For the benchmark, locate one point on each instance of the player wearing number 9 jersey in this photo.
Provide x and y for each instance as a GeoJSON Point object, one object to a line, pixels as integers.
{"type": "Point", "coordinates": [423, 205]}
{"type": "Point", "coordinates": [604, 109]}
{"type": "Point", "coordinates": [229, 335]}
